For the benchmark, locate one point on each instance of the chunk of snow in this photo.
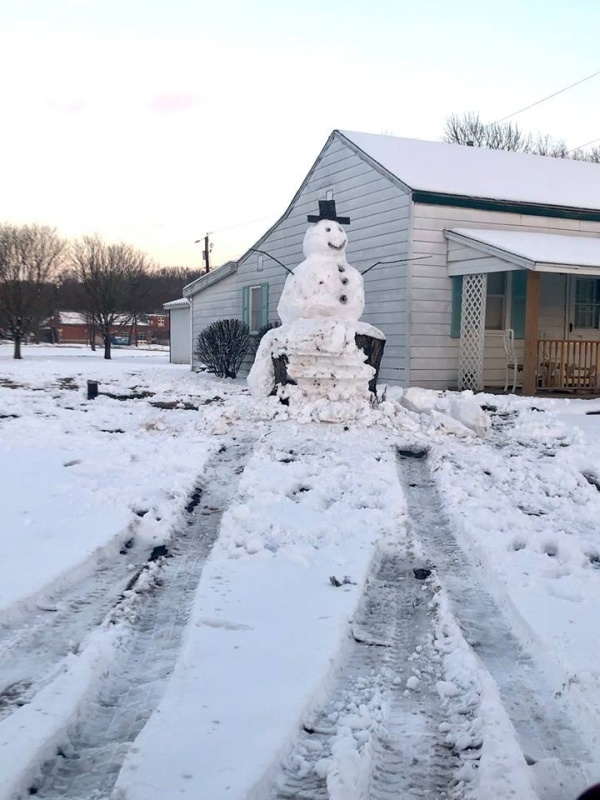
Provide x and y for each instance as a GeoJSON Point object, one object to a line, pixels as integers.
{"type": "Point", "coordinates": [470, 414]}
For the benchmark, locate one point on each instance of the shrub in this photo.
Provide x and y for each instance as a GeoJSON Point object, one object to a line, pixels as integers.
{"type": "Point", "coordinates": [222, 346]}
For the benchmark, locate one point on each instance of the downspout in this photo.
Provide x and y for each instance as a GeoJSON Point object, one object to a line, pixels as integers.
{"type": "Point", "coordinates": [191, 305]}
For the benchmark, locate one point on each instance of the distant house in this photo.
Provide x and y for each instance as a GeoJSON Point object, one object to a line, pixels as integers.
{"type": "Point", "coordinates": [158, 328]}
{"type": "Point", "coordinates": [67, 327]}
{"type": "Point", "coordinates": [75, 327]}
{"type": "Point", "coordinates": [180, 351]}
{"type": "Point", "coordinates": [484, 252]}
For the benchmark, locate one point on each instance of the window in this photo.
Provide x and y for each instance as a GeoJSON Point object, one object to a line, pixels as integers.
{"type": "Point", "coordinates": [255, 306]}
{"type": "Point", "coordinates": [495, 305]}
{"type": "Point", "coordinates": [161, 322]}
{"type": "Point", "coordinates": [505, 302]}
{"type": "Point", "coordinates": [587, 303]}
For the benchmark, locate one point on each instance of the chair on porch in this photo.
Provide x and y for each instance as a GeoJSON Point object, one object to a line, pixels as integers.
{"type": "Point", "coordinates": [512, 362]}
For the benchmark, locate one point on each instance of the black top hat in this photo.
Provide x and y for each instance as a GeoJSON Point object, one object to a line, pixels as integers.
{"type": "Point", "coordinates": [327, 211]}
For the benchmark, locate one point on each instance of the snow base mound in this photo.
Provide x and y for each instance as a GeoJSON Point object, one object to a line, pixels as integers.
{"type": "Point", "coordinates": [323, 363]}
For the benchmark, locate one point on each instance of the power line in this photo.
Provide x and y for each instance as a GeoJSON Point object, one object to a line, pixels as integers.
{"type": "Point", "coordinates": [587, 144]}
{"type": "Point", "coordinates": [242, 224]}
{"type": "Point", "coordinates": [548, 97]}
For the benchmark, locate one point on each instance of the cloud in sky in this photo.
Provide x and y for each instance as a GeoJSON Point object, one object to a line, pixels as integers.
{"type": "Point", "coordinates": [67, 105]}
{"type": "Point", "coordinates": [174, 102]}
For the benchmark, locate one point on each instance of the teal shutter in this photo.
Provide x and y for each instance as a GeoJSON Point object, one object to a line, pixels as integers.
{"type": "Point", "coordinates": [457, 283]}
{"type": "Point", "coordinates": [246, 305]}
{"type": "Point", "coordinates": [264, 303]}
{"type": "Point", "coordinates": [518, 302]}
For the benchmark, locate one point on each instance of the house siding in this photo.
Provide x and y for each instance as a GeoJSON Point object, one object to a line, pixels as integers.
{"type": "Point", "coordinates": [433, 354]}
{"type": "Point", "coordinates": [379, 210]}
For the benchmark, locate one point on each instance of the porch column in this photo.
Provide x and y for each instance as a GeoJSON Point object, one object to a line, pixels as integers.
{"type": "Point", "coordinates": [532, 324]}
{"type": "Point", "coordinates": [472, 332]}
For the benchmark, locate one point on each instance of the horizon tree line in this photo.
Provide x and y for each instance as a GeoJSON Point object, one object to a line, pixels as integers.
{"type": "Point", "coordinates": [42, 273]}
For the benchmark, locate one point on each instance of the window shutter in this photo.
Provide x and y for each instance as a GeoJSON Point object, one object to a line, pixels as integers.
{"type": "Point", "coordinates": [457, 282]}
{"type": "Point", "coordinates": [264, 305]}
{"type": "Point", "coordinates": [246, 305]}
{"type": "Point", "coordinates": [518, 302]}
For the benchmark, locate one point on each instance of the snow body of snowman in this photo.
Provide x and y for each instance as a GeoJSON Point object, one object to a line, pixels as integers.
{"type": "Point", "coordinates": [324, 285]}
{"type": "Point", "coordinates": [320, 308]}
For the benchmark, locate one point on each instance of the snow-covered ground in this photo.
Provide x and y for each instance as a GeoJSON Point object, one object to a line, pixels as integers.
{"type": "Point", "coordinates": [207, 596]}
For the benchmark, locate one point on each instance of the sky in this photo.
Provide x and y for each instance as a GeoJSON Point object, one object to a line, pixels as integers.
{"type": "Point", "coordinates": [156, 121]}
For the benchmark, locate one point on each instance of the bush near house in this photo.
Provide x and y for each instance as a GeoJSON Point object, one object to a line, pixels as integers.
{"type": "Point", "coordinates": [221, 346]}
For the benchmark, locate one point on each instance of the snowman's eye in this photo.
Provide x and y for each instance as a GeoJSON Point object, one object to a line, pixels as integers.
{"type": "Point", "coordinates": [327, 229]}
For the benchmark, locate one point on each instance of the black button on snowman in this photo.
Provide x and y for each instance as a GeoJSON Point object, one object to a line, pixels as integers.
{"type": "Point", "coordinates": [324, 285]}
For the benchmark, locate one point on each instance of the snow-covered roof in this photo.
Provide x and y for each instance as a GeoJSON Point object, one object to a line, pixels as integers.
{"type": "Point", "coordinates": [72, 318]}
{"type": "Point", "coordinates": [537, 251]}
{"type": "Point", "coordinates": [228, 268]}
{"type": "Point", "coordinates": [80, 318]}
{"type": "Point", "coordinates": [477, 172]}
{"type": "Point", "coordinates": [181, 303]}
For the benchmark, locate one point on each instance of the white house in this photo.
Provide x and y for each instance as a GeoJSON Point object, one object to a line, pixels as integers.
{"type": "Point", "coordinates": [472, 243]}
{"type": "Point", "coordinates": [180, 351]}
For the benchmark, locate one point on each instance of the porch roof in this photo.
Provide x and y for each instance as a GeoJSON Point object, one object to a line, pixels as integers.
{"type": "Point", "coordinates": [540, 252]}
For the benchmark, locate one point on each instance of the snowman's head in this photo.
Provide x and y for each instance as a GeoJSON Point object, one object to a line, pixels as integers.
{"type": "Point", "coordinates": [325, 238]}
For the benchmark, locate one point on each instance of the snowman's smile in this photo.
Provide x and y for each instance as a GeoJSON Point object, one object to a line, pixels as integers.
{"type": "Point", "coordinates": [335, 246]}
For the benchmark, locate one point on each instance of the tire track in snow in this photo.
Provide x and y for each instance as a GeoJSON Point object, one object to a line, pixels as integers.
{"type": "Point", "coordinates": [88, 763]}
{"type": "Point", "coordinates": [547, 737]}
{"type": "Point", "coordinates": [32, 650]}
{"type": "Point", "coordinates": [372, 737]}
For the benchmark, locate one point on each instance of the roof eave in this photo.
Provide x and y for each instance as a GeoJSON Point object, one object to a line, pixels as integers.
{"type": "Point", "coordinates": [519, 261]}
{"type": "Point", "coordinates": [506, 206]}
{"type": "Point", "coordinates": [204, 281]}
{"type": "Point", "coordinates": [489, 249]}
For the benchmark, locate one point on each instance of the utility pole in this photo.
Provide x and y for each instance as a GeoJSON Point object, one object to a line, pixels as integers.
{"type": "Point", "coordinates": [206, 251]}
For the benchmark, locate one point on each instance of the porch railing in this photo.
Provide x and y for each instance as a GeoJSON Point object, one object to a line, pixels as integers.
{"type": "Point", "coordinates": [568, 365]}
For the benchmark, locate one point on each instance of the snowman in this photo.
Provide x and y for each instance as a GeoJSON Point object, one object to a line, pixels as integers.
{"type": "Point", "coordinates": [319, 346]}
{"type": "Point", "coordinates": [324, 285]}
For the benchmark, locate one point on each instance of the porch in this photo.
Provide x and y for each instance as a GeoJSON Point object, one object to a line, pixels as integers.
{"type": "Point", "coordinates": [545, 288]}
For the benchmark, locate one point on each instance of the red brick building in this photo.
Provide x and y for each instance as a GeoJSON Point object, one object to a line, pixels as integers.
{"type": "Point", "coordinates": [74, 327]}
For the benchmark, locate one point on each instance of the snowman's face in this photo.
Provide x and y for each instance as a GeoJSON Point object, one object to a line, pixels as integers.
{"type": "Point", "coordinates": [325, 238]}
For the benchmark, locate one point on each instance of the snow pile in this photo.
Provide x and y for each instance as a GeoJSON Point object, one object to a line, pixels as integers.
{"type": "Point", "coordinates": [457, 414]}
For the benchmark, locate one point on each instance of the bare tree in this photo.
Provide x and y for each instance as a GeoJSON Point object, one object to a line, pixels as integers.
{"type": "Point", "coordinates": [111, 276]}
{"type": "Point", "coordinates": [593, 155]}
{"type": "Point", "coordinates": [471, 130]}
{"type": "Point", "coordinates": [30, 256]}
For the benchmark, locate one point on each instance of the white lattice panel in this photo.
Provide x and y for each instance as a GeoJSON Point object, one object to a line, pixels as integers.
{"type": "Point", "coordinates": [472, 332]}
